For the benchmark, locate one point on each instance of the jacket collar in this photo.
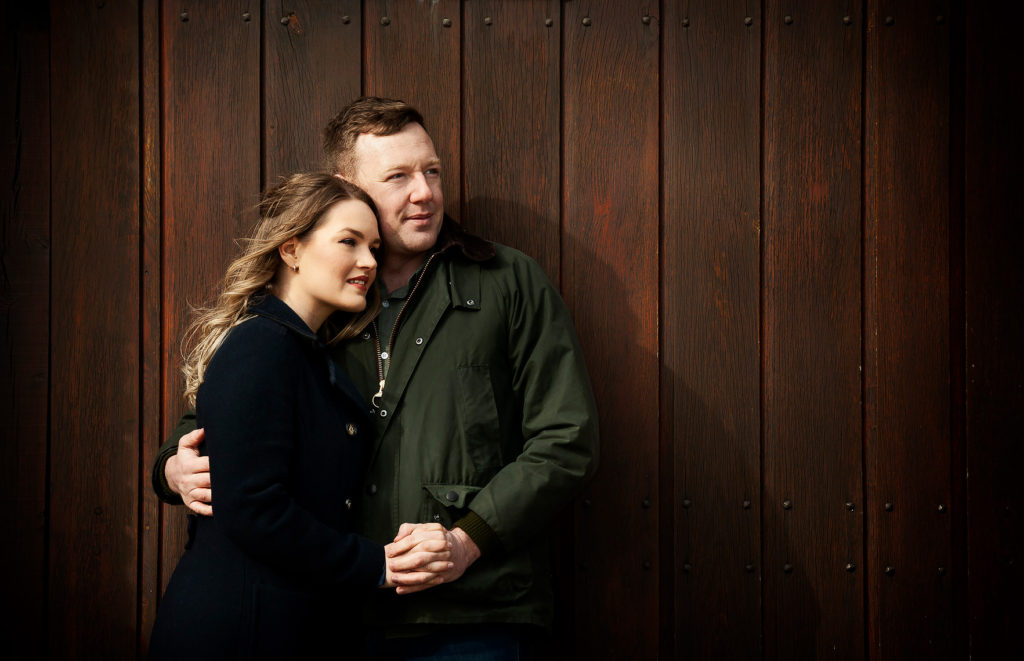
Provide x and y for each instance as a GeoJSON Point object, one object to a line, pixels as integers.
{"type": "Point", "coordinates": [453, 239]}
{"type": "Point", "coordinates": [275, 309]}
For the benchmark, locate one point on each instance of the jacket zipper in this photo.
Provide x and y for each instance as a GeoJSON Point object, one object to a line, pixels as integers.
{"type": "Point", "coordinates": [375, 400]}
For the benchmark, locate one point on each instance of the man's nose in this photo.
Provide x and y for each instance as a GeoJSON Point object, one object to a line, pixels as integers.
{"type": "Point", "coordinates": [422, 192]}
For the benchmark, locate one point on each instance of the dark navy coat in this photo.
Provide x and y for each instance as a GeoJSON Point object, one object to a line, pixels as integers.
{"type": "Point", "coordinates": [277, 571]}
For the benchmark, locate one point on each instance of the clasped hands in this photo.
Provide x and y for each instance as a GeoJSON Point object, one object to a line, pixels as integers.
{"type": "Point", "coordinates": [427, 554]}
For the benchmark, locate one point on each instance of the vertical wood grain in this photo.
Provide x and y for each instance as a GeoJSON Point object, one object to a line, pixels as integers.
{"type": "Point", "coordinates": [413, 53]}
{"type": "Point", "coordinates": [907, 344]}
{"type": "Point", "coordinates": [153, 424]}
{"type": "Point", "coordinates": [813, 573]}
{"type": "Point", "coordinates": [511, 132]}
{"type": "Point", "coordinates": [610, 276]}
{"type": "Point", "coordinates": [24, 323]}
{"type": "Point", "coordinates": [211, 178]}
{"type": "Point", "coordinates": [312, 67]}
{"type": "Point", "coordinates": [994, 142]}
{"type": "Point", "coordinates": [94, 399]}
{"type": "Point", "coordinates": [710, 314]}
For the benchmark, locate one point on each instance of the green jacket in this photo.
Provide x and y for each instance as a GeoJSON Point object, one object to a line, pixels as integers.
{"type": "Point", "coordinates": [487, 420]}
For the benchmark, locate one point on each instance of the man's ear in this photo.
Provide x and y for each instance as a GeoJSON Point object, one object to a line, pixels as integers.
{"type": "Point", "coordinates": [289, 252]}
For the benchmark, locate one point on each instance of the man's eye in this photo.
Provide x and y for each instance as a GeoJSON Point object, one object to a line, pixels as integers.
{"type": "Point", "coordinates": [396, 176]}
{"type": "Point", "coordinates": [434, 172]}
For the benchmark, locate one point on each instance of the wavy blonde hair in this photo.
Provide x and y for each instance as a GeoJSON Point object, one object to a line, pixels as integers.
{"type": "Point", "coordinates": [292, 209]}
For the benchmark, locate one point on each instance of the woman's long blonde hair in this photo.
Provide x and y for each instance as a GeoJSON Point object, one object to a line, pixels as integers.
{"type": "Point", "coordinates": [291, 209]}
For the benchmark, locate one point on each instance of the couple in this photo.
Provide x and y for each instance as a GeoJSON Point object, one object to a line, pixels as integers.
{"type": "Point", "coordinates": [428, 448]}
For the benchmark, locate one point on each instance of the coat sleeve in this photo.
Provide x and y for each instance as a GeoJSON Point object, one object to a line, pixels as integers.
{"type": "Point", "coordinates": [559, 417]}
{"type": "Point", "coordinates": [167, 450]}
{"type": "Point", "coordinates": [247, 405]}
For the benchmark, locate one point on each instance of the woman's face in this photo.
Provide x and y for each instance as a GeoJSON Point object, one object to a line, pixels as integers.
{"type": "Point", "coordinates": [336, 263]}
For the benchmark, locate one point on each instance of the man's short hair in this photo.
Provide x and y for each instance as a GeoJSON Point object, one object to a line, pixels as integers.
{"type": "Point", "coordinates": [367, 114]}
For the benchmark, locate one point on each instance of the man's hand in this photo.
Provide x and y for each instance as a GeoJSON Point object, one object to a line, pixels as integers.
{"type": "Point", "coordinates": [463, 553]}
{"type": "Point", "coordinates": [415, 560]}
{"type": "Point", "coordinates": [188, 474]}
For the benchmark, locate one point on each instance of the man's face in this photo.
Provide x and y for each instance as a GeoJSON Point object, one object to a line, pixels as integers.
{"type": "Point", "coordinates": [402, 173]}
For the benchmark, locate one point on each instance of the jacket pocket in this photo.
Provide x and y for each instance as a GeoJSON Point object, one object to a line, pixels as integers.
{"type": "Point", "coordinates": [478, 415]}
{"type": "Point", "coordinates": [497, 579]}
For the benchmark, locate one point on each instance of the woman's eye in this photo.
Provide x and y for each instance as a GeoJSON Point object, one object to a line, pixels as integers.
{"type": "Point", "coordinates": [349, 242]}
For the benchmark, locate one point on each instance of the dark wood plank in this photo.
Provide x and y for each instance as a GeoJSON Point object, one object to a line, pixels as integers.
{"type": "Point", "coordinates": [812, 445]}
{"type": "Point", "coordinates": [413, 52]}
{"type": "Point", "coordinates": [610, 277]}
{"type": "Point", "coordinates": [511, 132]}
{"type": "Point", "coordinates": [151, 392]}
{"type": "Point", "coordinates": [312, 67]}
{"type": "Point", "coordinates": [710, 325]}
{"type": "Point", "coordinates": [994, 141]}
{"type": "Point", "coordinates": [94, 411]}
{"type": "Point", "coordinates": [24, 322]}
{"type": "Point", "coordinates": [211, 178]}
{"type": "Point", "coordinates": [907, 345]}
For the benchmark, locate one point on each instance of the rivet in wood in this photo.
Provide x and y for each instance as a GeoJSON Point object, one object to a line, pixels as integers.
{"type": "Point", "coordinates": [446, 22]}
{"type": "Point", "coordinates": [787, 504]}
{"type": "Point", "coordinates": [942, 508]}
{"type": "Point", "coordinates": [647, 564]}
{"type": "Point", "coordinates": [549, 22]}
{"type": "Point", "coordinates": [285, 20]}
{"type": "Point", "coordinates": [183, 16]}
{"type": "Point", "coordinates": [850, 567]}
{"type": "Point", "coordinates": [788, 568]}
{"type": "Point", "coordinates": [98, 511]}
{"type": "Point", "coordinates": [686, 22]}
{"type": "Point", "coordinates": [645, 503]}
{"type": "Point", "coordinates": [890, 570]}
{"type": "Point", "coordinates": [748, 21]}
{"type": "Point", "coordinates": [887, 507]}
{"type": "Point", "coordinates": [586, 502]}
{"type": "Point", "coordinates": [687, 502]}
{"type": "Point", "coordinates": [587, 21]}
{"type": "Point", "coordinates": [942, 571]}
{"type": "Point", "coordinates": [889, 20]}
{"type": "Point", "coordinates": [847, 20]}
{"type": "Point", "coordinates": [246, 17]}
{"type": "Point", "coordinates": [850, 507]}
{"type": "Point", "coordinates": [385, 20]}
{"type": "Point", "coordinates": [940, 19]}
{"type": "Point", "coordinates": [788, 20]}
{"type": "Point", "coordinates": [487, 20]}
{"type": "Point", "coordinates": [345, 20]}
{"type": "Point", "coordinates": [746, 504]}
{"type": "Point", "coordinates": [748, 568]}
{"type": "Point", "coordinates": [687, 567]}
{"type": "Point", "coordinates": [645, 19]}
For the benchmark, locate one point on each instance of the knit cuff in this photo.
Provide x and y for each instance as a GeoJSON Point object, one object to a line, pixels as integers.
{"type": "Point", "coordinates": [482, 534]}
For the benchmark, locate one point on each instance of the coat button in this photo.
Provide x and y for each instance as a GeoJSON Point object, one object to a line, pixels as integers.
{"type": "Point", "coordinates": [351, 429]}
{"type": "Point", "coordinates": [451, 496]}
{"type": "Point", "coordinates": [348, 503]}
{"type": "Point", "coordinates": [470, 302]}
{"type": "Point", "coordinates": [383, 413]}
{"type": "Point", "coordinates": [385, 304]}
{"type": "Point", "coordinates": [419, 340]}
{"type": "Point", "coordinates": [366, 336]}
{"type": "Point", "coordinates": [372, 489]}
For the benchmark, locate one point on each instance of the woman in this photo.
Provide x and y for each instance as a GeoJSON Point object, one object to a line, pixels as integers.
{"type": "Point", "coordinates": [276, 572]}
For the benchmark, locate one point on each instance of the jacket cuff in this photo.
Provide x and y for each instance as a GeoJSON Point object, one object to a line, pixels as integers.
{"type": "Point", "coordinates": [482, 534]}
{"type": "Point", "coordinates": [160, 486]}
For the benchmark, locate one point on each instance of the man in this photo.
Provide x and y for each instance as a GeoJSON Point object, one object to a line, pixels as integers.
{"type": "Point", "coordinates": [484, 413]}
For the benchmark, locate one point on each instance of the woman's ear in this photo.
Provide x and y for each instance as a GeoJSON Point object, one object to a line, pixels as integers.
{"type": "Point", "coordinates": [289, 252]}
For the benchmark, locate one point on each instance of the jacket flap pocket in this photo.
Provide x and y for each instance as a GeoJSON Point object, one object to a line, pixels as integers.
{"type": "Point", "coordinates": [452, 495]}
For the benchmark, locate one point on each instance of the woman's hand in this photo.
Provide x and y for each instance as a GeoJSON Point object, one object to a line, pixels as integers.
{"type": "Point", "coordinates": [418, 558]}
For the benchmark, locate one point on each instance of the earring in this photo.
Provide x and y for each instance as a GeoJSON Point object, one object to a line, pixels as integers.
{"type": "Point", "coordinates": [295, 267]}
